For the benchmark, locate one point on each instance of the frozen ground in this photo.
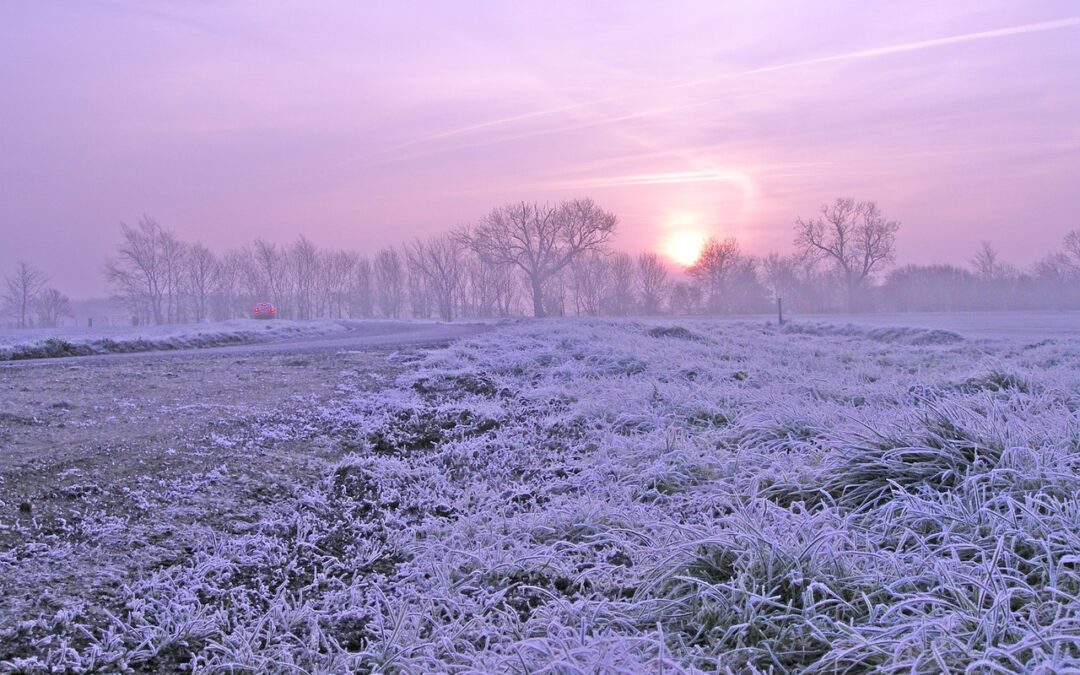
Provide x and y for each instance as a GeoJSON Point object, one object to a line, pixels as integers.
{"type": "Point", "coordinates": [677, 496]}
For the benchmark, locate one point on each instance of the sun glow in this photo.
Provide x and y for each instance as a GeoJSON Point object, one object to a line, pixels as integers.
{"type": "Point", "coordinates": [683, 246]}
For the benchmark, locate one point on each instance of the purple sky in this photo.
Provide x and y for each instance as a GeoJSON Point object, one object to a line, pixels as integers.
{"type": "Point", "coordinates": [361, 124]}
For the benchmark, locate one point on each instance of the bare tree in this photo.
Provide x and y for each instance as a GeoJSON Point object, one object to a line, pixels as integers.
{"type": "Point", "coordinates": [246, 281]}
{"type": "Point", "coordinates": [302, 259]}
{"type": "Point", "coordinates": [337, 271]}
{"type": "Point", "coordinates": [997, 280]}
{"type": "Point", "coordinates": [137, 272]}
{"type": "Point", "coordinates": [556, 291]}
{"type": "Point", "coordinates": [172, 253]}
{"type": "Point", "coordinates": [362, 290]}
{"type": "Point", "coordinates": [417, 291]}
{"type": "Point", "coordinates": [1055, 268]}
{"type": "Point", "coordinates": [489, 289]}
{"type": "Point", "coordinates": [389, 282]}
{"type": "Point", "coordinates": [437, 261]}
{"type": "Point", "coordinates": [21, 291]}
{"type": "Point", "coordinates": [505, 286]}
{"type": "Point", "coordinates": [150, 272]}
{"type": "Point", "coordinates": [1072, 250]}
{"type": "Point", "coordinates": [203, 277]}
{"type": "Point", "coordinates": [798, 280]}
{"type": "Point", "coordinates": [685, 298]}
{"type": "Point", "coordinates": [51, 306]}
{"type": "Point", "coordinates": [652, 282]}
{"type": "Point", "coordinates": [778, 273]}
{"type": "Point", "coordinates": [714, 269]}
{"type": "Point", "coordinates": [540, 239]}
{"type": "Point", "coordinates": [268, 270]}
{"type": "Point", "coordinates": [928, 288]}
{"type": "Point", "coordinates": [854, 236]}
{"type": "Point", "coordinates": [987, 264]}
{"type": "Point", "coordinates": [620, 298]}
{"type": "Point", "coordinates": [587, 281]}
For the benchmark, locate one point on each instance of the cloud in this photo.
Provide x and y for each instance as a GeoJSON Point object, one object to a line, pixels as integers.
{"type": "Point", "coordinates": [663, 178]}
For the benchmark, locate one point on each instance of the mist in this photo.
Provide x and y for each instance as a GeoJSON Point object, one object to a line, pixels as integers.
{"type": "Point", "coordinates": [844, 261]}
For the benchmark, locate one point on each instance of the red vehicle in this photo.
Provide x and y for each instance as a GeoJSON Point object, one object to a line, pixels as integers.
{"type": "Point", "coordinates": [264, 310]}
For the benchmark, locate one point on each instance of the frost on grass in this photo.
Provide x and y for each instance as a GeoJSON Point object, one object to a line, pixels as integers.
{"type": "Point", "coordinates": [616, 497]}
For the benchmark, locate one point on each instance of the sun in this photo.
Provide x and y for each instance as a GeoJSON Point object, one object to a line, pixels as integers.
{"type": "Point", "coordinates": [683, 246]}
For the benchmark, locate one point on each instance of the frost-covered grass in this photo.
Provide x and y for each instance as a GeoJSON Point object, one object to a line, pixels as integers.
{"type": "Point", "coordinates": [57, 342]}
{"type": "Point", "coordinates": [588, 497]}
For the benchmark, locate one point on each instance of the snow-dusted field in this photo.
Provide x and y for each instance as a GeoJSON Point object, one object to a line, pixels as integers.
{"type": "Point", "coordinates": [582, 496]}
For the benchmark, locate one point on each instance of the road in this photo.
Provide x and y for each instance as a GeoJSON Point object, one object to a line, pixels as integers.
{"type": "Point", "coordinates": [120, 418]}
{"type": "Point", "coordinates": [360, 336]}
{"type": "Point", "coordinates": [92, 439]}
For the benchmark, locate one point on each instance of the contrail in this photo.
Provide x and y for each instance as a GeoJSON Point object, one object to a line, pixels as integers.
{"type": "Point", "coordinates": [907, 47]}
{"type": "Point", "coordinates": [847, 56]}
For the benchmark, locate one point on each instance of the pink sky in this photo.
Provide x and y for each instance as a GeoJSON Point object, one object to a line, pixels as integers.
{"type": "Point", "coordinates": [362, 124]}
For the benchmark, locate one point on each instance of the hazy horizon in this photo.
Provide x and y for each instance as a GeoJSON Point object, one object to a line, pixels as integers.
{"type": "Point", "coordinates": [363, 126]}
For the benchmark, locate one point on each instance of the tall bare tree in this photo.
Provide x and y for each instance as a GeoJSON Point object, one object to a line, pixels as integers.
{"type": "Point", "coordinates": [389, 282]}
{"type": "Point", "coordinates": [172, 253]}
{"type": "Point", "coordinates": [1072, 250]}
{"type": "Point", "coordinates": [203, 277]}
{"type": "Point", "coordinates": [416, 290]}
{"type": "Point", "coordinates": [540, 239]}
{"type": "Point", "coordinates": [303, 263]}
{"type": "Point", "coordinates": [362, 290]}
{"type": "Point", "coordinates": [987, 264]}
{"type": "Point", "coordinates": [854, 236]}
{"type": "Point", "coordinates": [269, 273]}
{"type": "Point", "coordinates": [438, 262]}
{"type": "Point", "coordinates": [587, 280]}
{"type": "Point", "coordinates": [778, 274]}
{"type": "Point", "coordinates": [489, 289]}
{"type": "Point", "coordinates": [652, 282]}
{"type": "Point", "coordinates": [242, 283]}
{"type": "Point", "coordinates": [337, 270]}
{"type": "Point", "coordinates": [21, 292]}
{"type": "Point", "coordinates": [685, 298]}
{"type": "Point", "coordinates": [620, 297]}
{"type": "Point", "coordinates": [51, 306]}
{"type": "Point", "coordinates": [715, 268]}
{"type": "Point", "coordinates": [137, 273]}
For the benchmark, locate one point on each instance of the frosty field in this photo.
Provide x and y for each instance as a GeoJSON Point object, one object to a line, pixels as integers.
{"type": "Point", "coordinates": [553, 497]}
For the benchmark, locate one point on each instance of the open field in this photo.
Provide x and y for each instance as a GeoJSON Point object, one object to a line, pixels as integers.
{"type": "Point", "coordinates": [561, 496]}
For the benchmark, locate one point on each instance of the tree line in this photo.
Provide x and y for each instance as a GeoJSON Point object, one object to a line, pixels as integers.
{"type": "Point", "coordinates": [552, 260]}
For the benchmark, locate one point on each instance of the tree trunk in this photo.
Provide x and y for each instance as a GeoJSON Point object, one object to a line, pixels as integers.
{"type": "Point", "coordinates": [538, 298]}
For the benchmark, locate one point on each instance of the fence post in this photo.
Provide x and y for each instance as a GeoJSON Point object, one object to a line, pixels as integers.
{"type": "Point", "coordinates": [780, 310]}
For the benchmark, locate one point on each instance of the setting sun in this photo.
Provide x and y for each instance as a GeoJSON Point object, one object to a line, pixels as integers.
{"type": "Point", "coordinates": [683, 246]}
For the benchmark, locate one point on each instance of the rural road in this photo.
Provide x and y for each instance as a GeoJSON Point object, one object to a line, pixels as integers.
{"type": "Point", "coordinates": [83, 436]}
{"type": "Point", "coordinates": [127, 418]}
{"type": "Point", "coordinates": [375, 335]}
